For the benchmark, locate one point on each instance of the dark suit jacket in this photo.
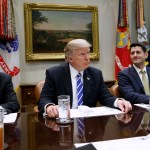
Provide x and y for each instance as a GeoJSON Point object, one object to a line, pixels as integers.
{"type": "Point", "coordinates": [8, 98]}
{"type": "Point", "coordinates": [58, 82]}
{"type": "Point", "coordinates": [131, 86]}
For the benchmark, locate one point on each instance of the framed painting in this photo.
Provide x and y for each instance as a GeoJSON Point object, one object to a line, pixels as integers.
{"type": "Point", "coordinates": [48, 29]}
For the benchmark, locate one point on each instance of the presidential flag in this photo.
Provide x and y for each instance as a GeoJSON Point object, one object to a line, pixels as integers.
{"type": "Point", "coordinates": [122, 58]}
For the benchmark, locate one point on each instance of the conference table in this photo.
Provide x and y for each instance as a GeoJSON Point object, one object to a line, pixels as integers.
{"type": "Point", "coordinates": [33, 132]}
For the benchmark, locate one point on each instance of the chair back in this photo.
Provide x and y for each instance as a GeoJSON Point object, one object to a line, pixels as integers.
{"type": "Point", "coordinates": [38, 89]}
{"type": "Point", "coordinates": [114, 90]}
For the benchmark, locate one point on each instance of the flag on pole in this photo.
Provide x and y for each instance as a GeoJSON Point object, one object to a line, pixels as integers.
{"type": "Point", "coordinates": [9, 54]}
{"type": "Point", "coordinates": [141, 27]}
{"type": "Point", "coordinates": [122, 58]}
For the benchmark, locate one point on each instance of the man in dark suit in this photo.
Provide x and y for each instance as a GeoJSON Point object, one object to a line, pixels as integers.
{"type": "Point", "coordinates": [130, 79]}
{"type": "Point", "coordinates": [8, 98]}
{"type": "Point", "coordinates": [61, 80]}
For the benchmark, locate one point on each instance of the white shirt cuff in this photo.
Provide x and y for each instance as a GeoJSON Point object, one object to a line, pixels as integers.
{"type": "Point", "coordinates": [115, 103]}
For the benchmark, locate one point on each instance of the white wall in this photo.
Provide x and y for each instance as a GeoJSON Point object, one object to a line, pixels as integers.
{"type": "Point", "coordinates": [32, 72]}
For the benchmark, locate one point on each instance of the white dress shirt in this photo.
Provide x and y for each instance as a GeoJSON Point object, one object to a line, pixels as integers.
{"type": "Point", "coordinates": [139, 71]}
{"type": "Point", "coordinates": [74, 73]}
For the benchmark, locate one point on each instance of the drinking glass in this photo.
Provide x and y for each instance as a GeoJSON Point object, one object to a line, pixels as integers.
{"type": "Point", "coordinates": [64, 108]}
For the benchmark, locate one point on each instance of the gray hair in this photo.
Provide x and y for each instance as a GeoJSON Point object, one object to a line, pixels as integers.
{"type": "Point", "coordinates": [75, 45]}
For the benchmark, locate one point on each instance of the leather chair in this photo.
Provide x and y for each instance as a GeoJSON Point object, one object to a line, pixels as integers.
{"type": "Point", "coordinates": [38, 89]}
{"type": "Point", "coordinates": [114, 90]}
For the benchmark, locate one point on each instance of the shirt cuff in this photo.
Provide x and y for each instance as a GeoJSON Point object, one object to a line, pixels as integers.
{"type": "Point", "coordinates": [115, 103]}
{"type": "Point", "coordinates": [5, 112]}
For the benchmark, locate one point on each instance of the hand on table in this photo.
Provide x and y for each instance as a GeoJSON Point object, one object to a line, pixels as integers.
{"type": "Point", "coordinates": [124, 105]}
{"type": "Point", "coordinates": [52, 111]}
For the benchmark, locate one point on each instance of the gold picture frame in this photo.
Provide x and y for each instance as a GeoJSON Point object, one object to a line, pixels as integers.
{"type": "Point", "coordinates": [48, 28]}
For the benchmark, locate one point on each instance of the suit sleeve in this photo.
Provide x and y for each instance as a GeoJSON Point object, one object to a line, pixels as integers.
{"type": "Point", "coordinates": [128, 90]}
{"type": "Point", "coordinates": [9, 102]}
{"type": "Point", "coordinates": [47, 93]}
{"type": "Point", "coordinates": [104, 96]}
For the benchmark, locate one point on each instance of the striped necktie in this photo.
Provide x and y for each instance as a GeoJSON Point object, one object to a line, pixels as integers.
{"type": "Point", "coordinates": [81, 127]}
{"type": "Point", "coordinates": [79, 89]}
{"type": "Point", "coordinates": [145, 82]}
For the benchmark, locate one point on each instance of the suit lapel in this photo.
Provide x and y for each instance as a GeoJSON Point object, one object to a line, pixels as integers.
{"type": "Point", "coordinates": [136, 77]}
{"type": "Point", "coordinates": [88, 84]}
{"type": "Point", "coordinates": [66, 77]}
{"type": "Point", "coordinates": [148, 73]}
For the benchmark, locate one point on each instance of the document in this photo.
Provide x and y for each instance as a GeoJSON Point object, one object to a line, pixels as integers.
{"type": "Point", "coordinates": [10, 118]}
{"type": "Point", "coordinates": [136, 143]}
{"type": "Point", "coordinates": [85, 111]}
{"type": "Point", "coordinates": [146, 106]}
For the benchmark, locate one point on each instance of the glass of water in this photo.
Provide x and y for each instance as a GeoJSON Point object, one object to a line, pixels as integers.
{"type": "Point", "coordinates": [64, 108]}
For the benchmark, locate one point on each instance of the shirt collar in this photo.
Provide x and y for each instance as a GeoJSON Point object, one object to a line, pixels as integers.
{"type": "Point", "coordinates": [138, 69]}
{"type": "Point", "coordinates": [74, 72]}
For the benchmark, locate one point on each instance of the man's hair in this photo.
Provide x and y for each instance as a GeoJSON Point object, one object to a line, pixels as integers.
{"type": "Point", "coordinates": [75, 45]}
{"type": "Point", "coordinates": [138, 44]}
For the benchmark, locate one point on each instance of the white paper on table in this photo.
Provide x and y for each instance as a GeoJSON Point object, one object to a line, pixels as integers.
{"type": "Point", "coordinates": [84, 111]}
{"type": "Point", "coordinates": [136, 143]}
{"type": "Point", "coordinates": [10, 118]}
{"type": "Point", "coordinates": [146, 106]}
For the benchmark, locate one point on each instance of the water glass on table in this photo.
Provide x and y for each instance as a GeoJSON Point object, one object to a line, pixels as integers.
{"type": "Point", "coordinates": [64, 108]}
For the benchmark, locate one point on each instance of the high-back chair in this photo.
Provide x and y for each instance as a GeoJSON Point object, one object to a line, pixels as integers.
{"type": "Point", "coordinates": [38, 89]}
{"type": "Point", "coordinates": [114, 90]}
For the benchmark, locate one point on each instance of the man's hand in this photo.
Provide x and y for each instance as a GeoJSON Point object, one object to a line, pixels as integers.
{"type": "Point", "coordinates": [52, 111]}
{"type": "Point", "coordinates": [124, 105]}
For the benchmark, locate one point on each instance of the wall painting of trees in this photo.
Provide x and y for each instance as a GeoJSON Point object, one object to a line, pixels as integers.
{"type": "Point", "coordinates": [49, 28]}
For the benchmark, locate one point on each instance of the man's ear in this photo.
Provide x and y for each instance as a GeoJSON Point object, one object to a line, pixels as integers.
{"type": "Point", "coordinates": [146, 54]}
{"type": "Point", "coordinates": [70, 58]}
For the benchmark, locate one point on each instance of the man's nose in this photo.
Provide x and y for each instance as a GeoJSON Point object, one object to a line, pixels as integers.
{"type": "Point", "coordinates": [134, 54]}
{"type": "Point", "coordinates": [87, 56]}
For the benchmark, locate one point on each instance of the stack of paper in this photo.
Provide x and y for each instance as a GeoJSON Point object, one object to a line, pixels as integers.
{"type": "Point", "coordinates": [84, 111]}
{"type": "Point", "coordinates": [136, 143]}
{"type": "Point", "coordinates": [146, 106]}
{"type": "Point", "coordinates": [10, 118]}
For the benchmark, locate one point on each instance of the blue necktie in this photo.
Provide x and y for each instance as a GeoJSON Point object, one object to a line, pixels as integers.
{"type": "Point", "coordinates": [79, 90]}
{"type": "Point", "coordinates": [81, 127]}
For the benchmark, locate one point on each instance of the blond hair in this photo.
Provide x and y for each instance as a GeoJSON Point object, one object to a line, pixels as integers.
{"type": "Point", "coordinates": [75, 45]}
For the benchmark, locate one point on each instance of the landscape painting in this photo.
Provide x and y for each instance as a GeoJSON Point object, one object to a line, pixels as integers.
{"type": "Point", "coordinates": [50, 28]}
